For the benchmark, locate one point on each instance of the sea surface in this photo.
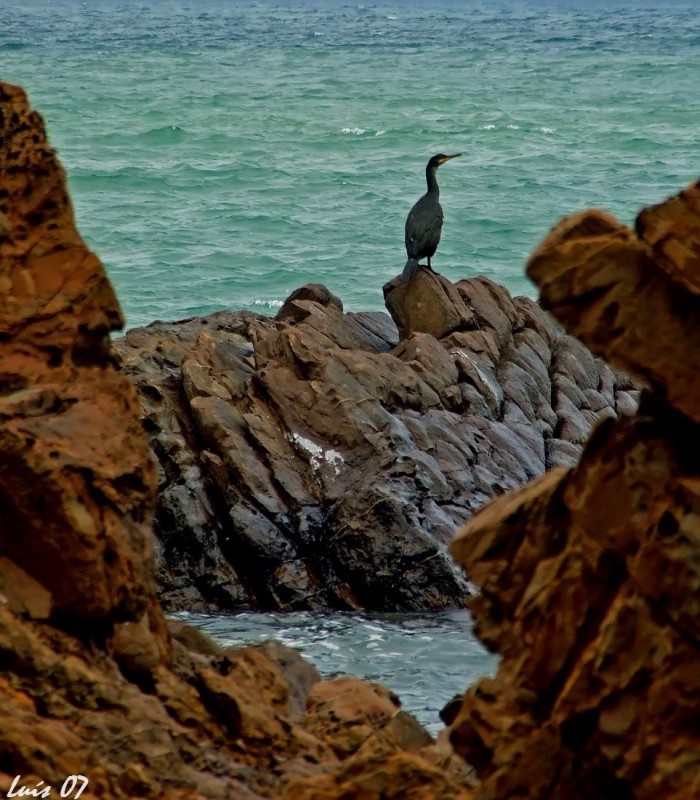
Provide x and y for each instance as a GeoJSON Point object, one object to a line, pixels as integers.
{"type": "Point", "coordinates": [425, 658]}
{"type": "Point", "coordinates": [221, 153]}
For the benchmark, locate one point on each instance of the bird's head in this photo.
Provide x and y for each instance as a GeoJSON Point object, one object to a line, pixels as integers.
{"type": "Point", "coordinates": [440, 158]}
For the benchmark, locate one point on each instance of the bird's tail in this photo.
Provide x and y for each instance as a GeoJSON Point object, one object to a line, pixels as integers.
{"type": "Point", "coordinates": [410, 269]}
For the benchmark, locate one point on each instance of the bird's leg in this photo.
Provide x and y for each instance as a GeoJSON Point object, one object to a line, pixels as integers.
{"type": "Point", "coordinates": [429, 267]}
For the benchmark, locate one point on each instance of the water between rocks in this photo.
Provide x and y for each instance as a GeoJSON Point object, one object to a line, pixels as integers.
{"type": "Point", "coordinates": [425, 658]}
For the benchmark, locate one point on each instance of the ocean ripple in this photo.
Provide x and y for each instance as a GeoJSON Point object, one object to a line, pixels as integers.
{"type": "Point", "coordinates": [296, 157]}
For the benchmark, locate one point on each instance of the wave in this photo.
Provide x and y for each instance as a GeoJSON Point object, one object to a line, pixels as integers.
{"type": "Point", "coordinates": [268, 303]}
{"type": "Point", "coordinates": [356, 131]}
{"type": "Point", "coordinates": [167, 134]}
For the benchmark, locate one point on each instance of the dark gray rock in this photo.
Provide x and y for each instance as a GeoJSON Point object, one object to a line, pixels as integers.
{"type": "Point", "coordinates": [315, 461]}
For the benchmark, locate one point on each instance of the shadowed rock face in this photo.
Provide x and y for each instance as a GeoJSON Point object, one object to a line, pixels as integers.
{"type": "Point", "coordinates": [315, 461]}
{"type": "Point", "coordinates": [590, 577]}
{"type": "Point", "coordinates": [93, 683]}
{"type": "Point", "coordinates": [76, 479]}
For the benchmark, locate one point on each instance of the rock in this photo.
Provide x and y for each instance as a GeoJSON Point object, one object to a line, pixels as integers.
{"type": "Point", "coordinates": [313, 461]}
{"type": "Point", "coordinates": [298, 674]}
{"type": "Point", "coordinates": [380, 325]}
{"type": "Point", "coordinates": [627, 402]}
{"type": "Point", "coordinates": [427, 304]}
{"type": "Point", "coordinates": [594, 252]}
{"type": "Point", "coordinates": [22, 593]}
{"type": "Point", "coordinates": [561, 453]}
{"type": "Point", "coordinates": [292, 307]}
{"type": "Point", "coordinates": [672, 231]}
{"type": "Point", "coordinates": [493, 308]}
{"type": "Point", "coordinates": [133, 648]}
{"type": "Point", "coordinates": [74, 461]}
{"type": "Point", "coordinates": [351, 711]}
{"type": "Point", "coordinates": [384, 753]}
{"type": "Point", "coordinates": [589, 575]}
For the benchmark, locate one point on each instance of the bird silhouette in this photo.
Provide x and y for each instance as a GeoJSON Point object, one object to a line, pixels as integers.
{"type": "Point", "coordinates": [424, 221]}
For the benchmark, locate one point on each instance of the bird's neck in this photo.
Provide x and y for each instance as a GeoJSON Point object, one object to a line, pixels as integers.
{"type": "Point", "coordinates": [431, 180]}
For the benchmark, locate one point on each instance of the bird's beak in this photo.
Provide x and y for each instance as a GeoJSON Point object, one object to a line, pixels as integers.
{"type": "Point", "coordinates": [447, 158]}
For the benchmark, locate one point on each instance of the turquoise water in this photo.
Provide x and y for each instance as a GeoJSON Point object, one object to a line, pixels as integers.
{"type": "Point", "coordinates": [221, 154]}
{"type": "Point", "coordinates": [425, 659]}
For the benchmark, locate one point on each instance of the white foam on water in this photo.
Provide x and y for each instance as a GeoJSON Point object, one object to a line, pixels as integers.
{"type": "Point", "coordinates": [353, 131]}
{"type": "Point", "coordinates": [514, 127]}
{"type": "Point", "coordinates": [547, 130]}
{"type": "Point", "coordinates": [269, 303]}
{"type": "Point", "coordinates": [380, 133]}
{"type": "Point", "coordinates": [487, 127]}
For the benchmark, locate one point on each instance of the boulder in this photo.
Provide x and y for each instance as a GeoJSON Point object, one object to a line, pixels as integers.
{"type": "Point", "coordinates": [589, 576]}
{"type": "Point", "coordinates": [427, 304]}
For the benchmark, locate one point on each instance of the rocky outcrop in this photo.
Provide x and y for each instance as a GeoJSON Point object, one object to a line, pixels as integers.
{"type": "Point", "coordinates": [99, 697]}
{"type": "Point", "coordinates": [590, 576]}
{"type": "Point", "coordinates": [60, 400]}
{"type": "Point", "coordinates": [315, 460]}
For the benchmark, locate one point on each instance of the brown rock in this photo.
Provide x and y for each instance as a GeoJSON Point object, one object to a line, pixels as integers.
{"type": "Point", "coordinates": [396, 776]}
{"type": "Point", "coordinates": [292, 307]}
{"type": "Point", "coordinates": [132, 646]}
{"type": "Point", "coordinates": [589, 576]}
{"type": "Point", "coordinates": [76, 478]}
{"type": "Point", "coordinates": [672, 229]}
{"type": "Point", "coordinates": [492, 306]}
{"type": "Point", "coordinates": [298, 674]}
{"type": "Point", "coordinates": [383, 751]}
{"type": "Point", "coordinates": [593, 253]}
{"type": "Point", "coordinates": [427, 304]}
{"type": "Point", "coordinates": [92, 684]}
{"type": "Point", "coordinates": [22, 593]}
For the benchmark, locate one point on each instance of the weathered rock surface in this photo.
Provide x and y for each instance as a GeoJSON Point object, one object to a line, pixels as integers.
{"type": "Point", "coordinates": [60, 400]}
{"type": "Point", "coordinates": [94, 683]}
{"type": "Point", "coordinates": [314, 460]}
{"type": "Point", "coordinates": [590, 577]}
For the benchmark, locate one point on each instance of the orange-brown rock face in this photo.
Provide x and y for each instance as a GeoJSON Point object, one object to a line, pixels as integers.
{"type": "Point", "coordinates": [590, 576]}
{"type": "Point", "coordinates": [76, 480]}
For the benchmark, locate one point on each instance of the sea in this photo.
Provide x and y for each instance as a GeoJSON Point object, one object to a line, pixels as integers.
{"type": "Point", "coordinates": [221, 153]}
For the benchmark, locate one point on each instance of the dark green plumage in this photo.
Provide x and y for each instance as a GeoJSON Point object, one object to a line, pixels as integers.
{"type": "Point", "coordinates": [424, 222]}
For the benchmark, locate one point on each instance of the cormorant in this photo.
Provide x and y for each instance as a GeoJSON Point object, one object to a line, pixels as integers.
{"type": "Point", "coordinates": [424, 222]}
